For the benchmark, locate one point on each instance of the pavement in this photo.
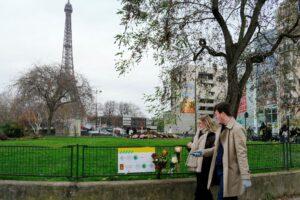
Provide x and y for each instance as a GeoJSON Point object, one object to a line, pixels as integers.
{"type": "Point", "coordinates": [289, 198]}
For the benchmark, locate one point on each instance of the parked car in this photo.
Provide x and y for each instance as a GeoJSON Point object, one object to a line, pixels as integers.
{"type": "Point", "coordinates": [119, 131]}
{"type": "Point", "coordinates": [93, 132]}
{"type": "Point", "coordinates": [103, 131]}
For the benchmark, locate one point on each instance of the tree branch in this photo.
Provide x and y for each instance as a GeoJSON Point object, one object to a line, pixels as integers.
{"type": "Point", "coordinates": [246, 75]}
{"type": "Point", "coordinates": [210, 50]}
{"type": "Point", "coordinates": [243, 20]}
{"type": "Point", "coordinates": [222, 23]}
{"type": "Point", "coordinates": [251, 29]}
{"type": "Point", "coordinates": [258, 58]}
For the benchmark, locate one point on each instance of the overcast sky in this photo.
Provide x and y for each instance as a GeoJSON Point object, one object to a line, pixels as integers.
{"type": "Point", "coordinates": [32, 32]}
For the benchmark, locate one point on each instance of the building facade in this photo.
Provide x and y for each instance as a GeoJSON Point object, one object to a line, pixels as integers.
{"type": "Point", "coordinates": [289, 62]}
{"type": "Point", "coordinates": [273, 89]}
{"type": "Point", "coordinates": [200, 91]}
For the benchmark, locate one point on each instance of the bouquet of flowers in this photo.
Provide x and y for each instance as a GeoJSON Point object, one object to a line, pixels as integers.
{"type": "Point", "coordinates": [160, 162]}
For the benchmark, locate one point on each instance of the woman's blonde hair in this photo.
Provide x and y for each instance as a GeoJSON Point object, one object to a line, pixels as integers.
{"type": "Point", "coordinates": [210, 125]}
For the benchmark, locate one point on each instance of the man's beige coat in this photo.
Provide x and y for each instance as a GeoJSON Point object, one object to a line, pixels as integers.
{"type": "Point", "coordinates": [235, 161]}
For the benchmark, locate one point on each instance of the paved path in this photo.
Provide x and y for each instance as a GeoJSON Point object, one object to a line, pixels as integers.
{"type": "Point", "coordinates": [290, 198]}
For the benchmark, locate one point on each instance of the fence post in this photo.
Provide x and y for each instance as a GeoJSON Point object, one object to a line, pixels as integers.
{"type": "Point", "coordinates": [83, 157]}
{"type": "Point", "coordinates": [71, 161]}
{"type": "Point", "coordinates": [284, 155]}
{"type": "Point", "coordinates": [77, 162]}
{"type": "Point", "coordinates": [287, 155]}
{"type": "Point", "coordinates": [290, 155]}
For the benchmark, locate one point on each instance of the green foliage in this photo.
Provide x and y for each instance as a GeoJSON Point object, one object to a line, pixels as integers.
{"type": "Point", "coordinates": [12, 130]}
{"type": "Point", "coordinates": [269, 196]}
{"type": "Point", "coordinates": [159, 122]}
{"type": "Point", "coordinates": [3, 136]}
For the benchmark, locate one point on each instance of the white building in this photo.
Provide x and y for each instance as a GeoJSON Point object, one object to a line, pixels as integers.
{"type": "Point", "coordinates": [201, 90]}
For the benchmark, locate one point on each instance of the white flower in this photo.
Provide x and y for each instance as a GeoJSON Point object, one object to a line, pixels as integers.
{"type": "Point", "coordinates": [174, 159]}
{"type": "Point", "coordinates": [178, 149]}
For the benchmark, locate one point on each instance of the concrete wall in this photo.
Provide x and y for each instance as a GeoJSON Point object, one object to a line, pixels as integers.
{"type": "Point", "coordinates": [265, 186]}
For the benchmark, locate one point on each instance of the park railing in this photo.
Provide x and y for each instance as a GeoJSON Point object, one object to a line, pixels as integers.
{"type": "Point", "coordinates": [80, 161]}
{"type": "Point", "coordinates": [36, 161]}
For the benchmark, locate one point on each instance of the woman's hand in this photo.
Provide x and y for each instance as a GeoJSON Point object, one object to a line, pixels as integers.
{"type": "Point", "coordinates": [189, 145]}
{"type": "Point", "coordinates": [198, 153]}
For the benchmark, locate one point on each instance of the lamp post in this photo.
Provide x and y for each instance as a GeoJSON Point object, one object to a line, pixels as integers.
{"type": "Point", "coordinates": [195, 97]}
{"type": "Point", "coordinates": [246, 115]}
{"type": "Point", "coordinates": [97, 91]}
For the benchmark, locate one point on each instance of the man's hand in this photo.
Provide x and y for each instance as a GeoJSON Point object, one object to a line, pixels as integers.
{"type": "Point", "coordinates": [198, 153]}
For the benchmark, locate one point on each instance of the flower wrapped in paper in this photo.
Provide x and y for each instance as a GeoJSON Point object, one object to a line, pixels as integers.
{"type": "Point", "coordinates": [160, 162]}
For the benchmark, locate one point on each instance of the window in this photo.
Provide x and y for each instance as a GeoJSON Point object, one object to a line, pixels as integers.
{"type": "Point", "coordinates": [206, 101]}
{"type": "Point", "coordinates": [205, 76]}
{"type": "Point", "coordinates": [271, 115]}
{"type": "Point", "coordinates": [206, 108]}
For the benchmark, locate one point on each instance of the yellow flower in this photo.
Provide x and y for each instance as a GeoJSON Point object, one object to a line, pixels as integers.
{"type": "Point", "coordinates": [164, 152]}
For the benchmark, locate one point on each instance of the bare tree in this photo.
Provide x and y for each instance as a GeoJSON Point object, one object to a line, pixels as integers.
{"type": "Point", "coordinates": [124, 108]}
{"type": "Point", "coordinates": [55, 88]}
{"type": "Point", "coordinates": [110, 108]}
{"type": "Point", "coordinates": [182, 32]}
{"type": "Point", "coordinates": [131, 109]}
{"type": "Point", "coordinates": [5, 107]}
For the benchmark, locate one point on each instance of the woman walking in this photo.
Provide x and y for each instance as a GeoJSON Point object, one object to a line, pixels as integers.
{"type": "Point", "coordinates": [204, 141]}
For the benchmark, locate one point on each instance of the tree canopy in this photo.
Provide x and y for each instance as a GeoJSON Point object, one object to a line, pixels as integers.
{"type": "Point", "coordinates": [198, 32]}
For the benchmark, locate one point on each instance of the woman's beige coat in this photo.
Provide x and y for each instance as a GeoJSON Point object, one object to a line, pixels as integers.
{"type": "Point", "coordinates": [195, 163]}
{"type": "Point", "coordinates": [235, 161]}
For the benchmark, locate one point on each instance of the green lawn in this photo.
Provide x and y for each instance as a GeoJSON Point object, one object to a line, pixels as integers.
{"type": "Point", "coordinates": [56, 157]}
{"type": "Point", "coordinates": [94, 141]}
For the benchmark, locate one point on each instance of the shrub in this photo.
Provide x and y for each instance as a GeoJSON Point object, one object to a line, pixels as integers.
{"type": "Point", "coordinates": [13, 130]}
{"type": "Point", "coordinates": [3, 136]}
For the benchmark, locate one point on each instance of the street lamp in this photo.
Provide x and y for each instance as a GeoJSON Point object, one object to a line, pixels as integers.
{"type": "Point", "coordinates": [97, 91]}
{"type": "Point", "coordinates": [195, 97]}
{"type": "Point", "coordinates": [246, 115]}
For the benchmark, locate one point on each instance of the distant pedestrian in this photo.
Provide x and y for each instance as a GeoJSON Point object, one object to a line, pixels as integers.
{"type": "Point", "coordinates": [262, 131]}
{"type": "Point", "coordinates": [130, 132]}
{"type": "Point", "coordinates": [283, 133]}
{"type": "Point", "coordinates": [268, 133]}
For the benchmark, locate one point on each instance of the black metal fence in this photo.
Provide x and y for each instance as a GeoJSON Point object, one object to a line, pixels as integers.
{"type": "Point", "coordinates": [36, 161]}
{"type": "Point", "coordinates": [80, 161]}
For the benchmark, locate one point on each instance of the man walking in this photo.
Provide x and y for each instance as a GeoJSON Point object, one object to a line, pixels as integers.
{"type": "Point", "coordinates": [229, 167]}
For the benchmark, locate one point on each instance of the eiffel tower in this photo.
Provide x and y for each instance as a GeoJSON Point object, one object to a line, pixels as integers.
{"type": "Point", "coordinates": [73, 109]}
{"type": "Point", "coordinates": [67, 56]}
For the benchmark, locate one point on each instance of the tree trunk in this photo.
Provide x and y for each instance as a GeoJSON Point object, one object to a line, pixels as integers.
{"type": "Point", "coordinates": [234, 98]}
{"type": "Point", "coordinates": [234, 93]}
{"type": "Point", "coordinates": [49, 123]}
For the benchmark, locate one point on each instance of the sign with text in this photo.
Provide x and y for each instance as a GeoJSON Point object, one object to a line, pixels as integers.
{"type": "Point", "coordinates": [126, 120]}
{"type": "Point", "coordinates": [135, 160]}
